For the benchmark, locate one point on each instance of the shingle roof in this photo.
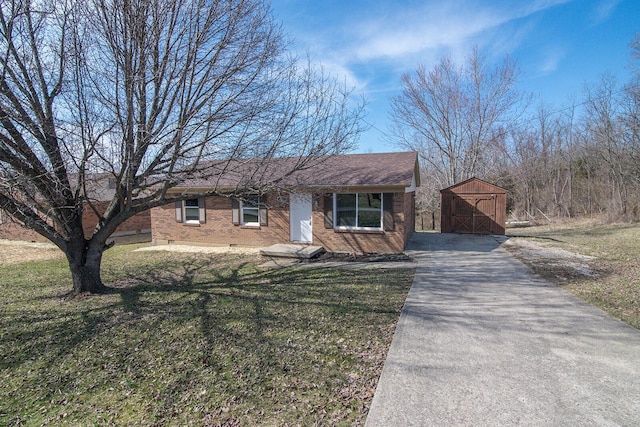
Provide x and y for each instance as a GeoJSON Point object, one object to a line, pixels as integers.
{"type": "Point", "coordinates": [348, 170]}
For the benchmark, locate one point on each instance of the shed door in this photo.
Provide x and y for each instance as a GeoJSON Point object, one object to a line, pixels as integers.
{"type": "Point", "coordinates": [474, 214]}
{"type": "Point", "coordinates": [300, 217]}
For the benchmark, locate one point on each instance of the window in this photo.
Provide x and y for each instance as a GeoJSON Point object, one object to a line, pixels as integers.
{"type": "Point", "coordinates": [250, 211]}
{"type": "Point", "coordinates": [190, 211]}
{"type": "Point", "coordinates": [358, 210]}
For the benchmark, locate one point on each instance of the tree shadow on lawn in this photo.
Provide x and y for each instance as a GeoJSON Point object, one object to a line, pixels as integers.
{"type": "Point", "coordinates": [316, 287]}
{"type": "Point", "coordinates": [232, 318]}
{"type": "Point", "coordinates": [219, 297]}
{"type": "Point", "coordinates": [259, 325]}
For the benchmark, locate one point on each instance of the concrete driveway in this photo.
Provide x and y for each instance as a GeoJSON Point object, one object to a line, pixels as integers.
{"type": "Point", "coordinates": [482, 341]}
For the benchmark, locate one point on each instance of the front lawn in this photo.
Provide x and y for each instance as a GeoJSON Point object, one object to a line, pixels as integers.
{"type": "Point", "coordinates": [189, 339]}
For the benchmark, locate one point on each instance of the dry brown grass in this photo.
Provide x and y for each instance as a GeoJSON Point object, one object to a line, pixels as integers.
{"type": "Point", "coordinates": [13, 252]}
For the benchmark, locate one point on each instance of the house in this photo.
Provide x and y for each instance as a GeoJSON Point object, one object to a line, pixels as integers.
{"type": "Point", "coordinates": [11, 229]}
{"type": "Point", "coordinates": [473, 206]}
{"type": "Point", "coordinates": [358, 203]}
{"type": "Point", "coordinates": [102, 189]}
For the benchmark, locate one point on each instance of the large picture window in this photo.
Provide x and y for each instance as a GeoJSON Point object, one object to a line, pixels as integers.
{"type": "Point", "coordinates": [358, 210]}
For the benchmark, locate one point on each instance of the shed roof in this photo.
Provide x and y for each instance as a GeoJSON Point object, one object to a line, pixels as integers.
{"type": "Point", "coordinates": [474, 185]}
{"type": "Point", "coordinates": [398, 169]}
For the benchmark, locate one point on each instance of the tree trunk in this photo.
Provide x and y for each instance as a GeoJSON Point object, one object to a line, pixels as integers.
{"type": "Point", "coordinates": [86, 278]}
{"type": "Point", "coordinates": [85, 263]}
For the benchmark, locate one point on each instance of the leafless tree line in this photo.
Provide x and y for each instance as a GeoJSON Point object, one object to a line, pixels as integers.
{"type": "Point", "coordinates": [575, 161]}
{"type": "Point", "coordinates": [583, 160]}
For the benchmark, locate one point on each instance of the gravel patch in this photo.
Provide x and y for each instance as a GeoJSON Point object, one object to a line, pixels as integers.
{"type": "Point", "coordinates": [542, 254]}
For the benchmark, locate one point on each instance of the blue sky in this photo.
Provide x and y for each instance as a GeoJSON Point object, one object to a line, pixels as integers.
{"type": "Point", "coordinates": [559, 44]}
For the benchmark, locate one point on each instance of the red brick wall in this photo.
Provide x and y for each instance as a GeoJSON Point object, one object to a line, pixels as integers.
{"type": "Point", "coordinates": [218, 228]}
{"type": "Point", "coordinates": [12, 230]}
{"type": "Point", "coordinates": [409, 215]}
{"type": "Point", "coordinates": [140, 223]}
{"type": "Point", "coordinates": [361, 241]}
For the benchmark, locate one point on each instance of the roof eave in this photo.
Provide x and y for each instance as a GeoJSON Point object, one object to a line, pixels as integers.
{"type": "Point", "coordinates": [383, 188]}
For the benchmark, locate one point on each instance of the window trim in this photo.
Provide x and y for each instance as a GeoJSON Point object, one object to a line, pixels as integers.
{"type": "Point", "coordinates": [191, 209]}
{"type": "Point", "coordinates": [255, 208]}
{"type": "Point", "coordinates": [181, 211]}
{"type": "Point", "coordinates": [237, 212]}
{"type": "Point", "coordinates": [347, 227]}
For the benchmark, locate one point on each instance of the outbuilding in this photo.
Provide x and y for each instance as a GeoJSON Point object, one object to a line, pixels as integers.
{"type": "Point", "coordinates": [473, 206]}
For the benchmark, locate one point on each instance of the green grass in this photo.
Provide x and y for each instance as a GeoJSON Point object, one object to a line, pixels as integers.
{"type": "Point", "coordinates": [194, 340]}
{"type": "Point", "coordinates": [615, 286]}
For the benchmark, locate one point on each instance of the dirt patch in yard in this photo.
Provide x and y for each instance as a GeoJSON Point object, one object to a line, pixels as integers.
{"type": "Point", "coordinates": [610, 280]}
{"type": "Point", "coordinates": [550, 262]}
{"type": "Point", "coordinates": [14, 251]}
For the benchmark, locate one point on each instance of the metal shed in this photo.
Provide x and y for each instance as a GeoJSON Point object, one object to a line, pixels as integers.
{"type": "Point", "coordinates": [473, 206]}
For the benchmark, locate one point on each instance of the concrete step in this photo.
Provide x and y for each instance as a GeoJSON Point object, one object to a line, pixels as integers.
{"type": "Point", "coordinates": [292, 251]}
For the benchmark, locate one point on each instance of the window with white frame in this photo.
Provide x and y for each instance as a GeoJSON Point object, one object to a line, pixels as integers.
{"type": "Point", "coordinates": [191, 211]}
{"type": "Point", "coordinates": [358, 211]}
{"type": "Point", "coordinates": [250, 211]}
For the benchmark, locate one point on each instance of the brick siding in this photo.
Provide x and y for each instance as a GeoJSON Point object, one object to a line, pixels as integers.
{"type": "Point", "coordinates": [138, 224]}
{"type": "Point", "coordinates": [409, 215]}
{"type": "Point", "coordinates": [218, 228]}
{"type": "Point", "coordinates": [11, 230]}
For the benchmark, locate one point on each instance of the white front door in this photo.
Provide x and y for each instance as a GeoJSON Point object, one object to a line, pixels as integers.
{"type": "Point", "coordinates": [300, 217]}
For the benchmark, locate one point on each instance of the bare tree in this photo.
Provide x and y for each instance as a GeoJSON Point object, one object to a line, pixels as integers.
{"type": "Point", "coordinates": [581, 159]}
{"type": "Point", "coordinates": [451, 115]}
{"type": "Point", "coordinates": [635, 54]}
{"type": "Point", "coordinates": [605, 130]}
{"type": "Point", "coordinates": [147, 91]}
{"type": "Point", "coordinates": [632, 108]}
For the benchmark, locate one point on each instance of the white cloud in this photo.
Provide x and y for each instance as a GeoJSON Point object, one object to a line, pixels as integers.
{"type": "Point", "coordinates": [394, 37]}
{"type": "Point", "coordinates": [444, 26]}
{"type": "Point", "coordinates": [343, 74]}
{"type": "Point", "coordinates": [552, 59]}
{"type": "Point", "coordinates": [604, 10]}
{"type": "Point", "coordinates": [409, 33]}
